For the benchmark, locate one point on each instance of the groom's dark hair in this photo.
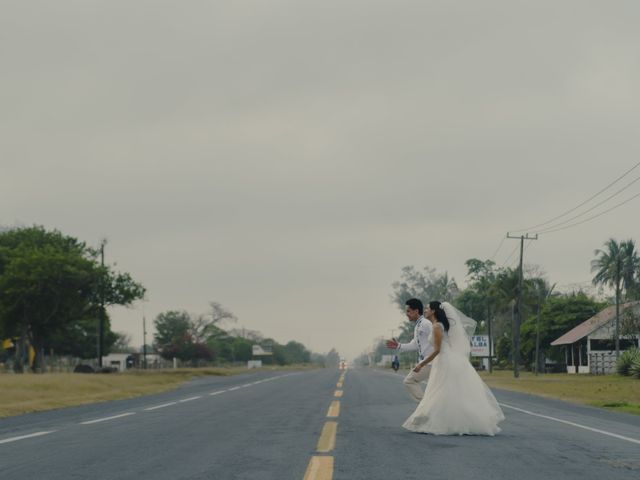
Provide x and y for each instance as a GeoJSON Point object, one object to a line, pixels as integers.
{"type": "Point", "coordinates": [415, 304]}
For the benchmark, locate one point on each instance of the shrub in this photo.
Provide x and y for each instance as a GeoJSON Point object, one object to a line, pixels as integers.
{"type": "Point", "coordinates": [626, 360]}
{"type": "Point", "coordinates": [635, 367]}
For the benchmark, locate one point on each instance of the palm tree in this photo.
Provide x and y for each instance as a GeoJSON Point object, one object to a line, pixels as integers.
{"type": "Point", "coordinates": [541, 291]}
{"type": "Point", "coordinates": [616, 266]}
{"type": "Point", "coordinates": [446, 288]}
{"type": "Point", "coordinates": [630, 269]}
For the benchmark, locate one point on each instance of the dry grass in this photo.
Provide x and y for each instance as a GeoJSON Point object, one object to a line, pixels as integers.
{"type": "Point", "coordinates": [37, 392]}
{"type": "Point", "coordinates": [613, 392]}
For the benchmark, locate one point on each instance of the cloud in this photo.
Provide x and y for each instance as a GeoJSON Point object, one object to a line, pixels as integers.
{"type": "Point", "coordinates": [288, 159]}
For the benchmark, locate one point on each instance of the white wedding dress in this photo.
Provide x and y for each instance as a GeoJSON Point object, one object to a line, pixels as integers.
{"type": "Point", "coordinates": [456, 401]}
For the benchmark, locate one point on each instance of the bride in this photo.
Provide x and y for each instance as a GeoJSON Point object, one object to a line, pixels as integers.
{"type": "Point", "coordinates": [456, 401]}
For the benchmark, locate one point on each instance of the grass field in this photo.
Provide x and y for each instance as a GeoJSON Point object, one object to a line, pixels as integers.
{"type": "Point", "coordinates": [613, 392]}
{"type": "Point", "coordinates": [36, 392]}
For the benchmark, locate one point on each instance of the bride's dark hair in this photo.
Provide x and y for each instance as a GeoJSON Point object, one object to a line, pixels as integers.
{"type": "Point", "coordinates": [440, 315]}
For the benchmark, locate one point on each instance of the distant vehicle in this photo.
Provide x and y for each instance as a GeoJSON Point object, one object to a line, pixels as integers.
{"type": "Point", "coordinates": [395, 363]}
{"type": "Point", "coordinates": [343, 364]}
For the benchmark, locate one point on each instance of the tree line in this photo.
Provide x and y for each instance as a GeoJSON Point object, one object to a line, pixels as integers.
{"type": "Point", "coordinates": [55, 290]}
{"type": "Point", "coordinates": [201, 339]}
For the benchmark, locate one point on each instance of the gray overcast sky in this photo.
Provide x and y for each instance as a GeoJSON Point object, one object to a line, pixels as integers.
{"type": "Point", "coordinates": [288, 158]}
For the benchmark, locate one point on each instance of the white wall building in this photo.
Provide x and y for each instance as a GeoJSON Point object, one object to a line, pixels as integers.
{"type": "Point", "coordinates": [590, 347]}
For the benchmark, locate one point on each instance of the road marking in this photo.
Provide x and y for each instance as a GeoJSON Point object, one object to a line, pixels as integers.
{"type": "Point", "coordinates": [159, 406]}
{"type": "Point", "coordinates": [22, 437]}
{"type": "Point", "coordinates": [319, 468]}
{"type": "Point", "coordinates": [339, 384]}
{"type": "Point", "coordinates": [155, 407]}
{"type": "Point", "coordinates": [107, 418]}
{"type": "Point", "coordinates": [327, 441]}
{"type": "Point", "coordinates": [334, 409]}
{"type": "Point", "coordinates": [566, 422]}
{"type": "Point", "coordinates": [338, 393]}
{"type": "Point", "coordinates": [234, 388]}
{"type": "Point", "coordinates": [189, 399]}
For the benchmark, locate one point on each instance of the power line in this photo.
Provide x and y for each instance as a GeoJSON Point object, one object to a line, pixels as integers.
{"type": "Point", "coordinates": [564, 222]}
{"type": "Point", "coordinates": [532, 228]}
{"type": "Point", "coordinates": [526, 246]}
{"type": "Point", "coordinates": [590, 218]}
{"type": "Point", "coordinates": [498, 249]}
{"type": "Point", "coordinates": [510, 255]}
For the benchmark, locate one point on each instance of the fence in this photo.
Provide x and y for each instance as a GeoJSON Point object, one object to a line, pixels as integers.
{"type": "Point", "coordinates": [601, 363]}
{"type": "Point", "coordinates": [67, 364]}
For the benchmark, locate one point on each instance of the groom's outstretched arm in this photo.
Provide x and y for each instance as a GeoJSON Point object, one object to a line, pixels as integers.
{"type": "Point", "coordinates": [407, 347]}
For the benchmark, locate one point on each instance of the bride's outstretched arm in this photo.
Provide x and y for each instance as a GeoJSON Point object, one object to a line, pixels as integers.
{"type": "Point", "coordinates": [437, 343]}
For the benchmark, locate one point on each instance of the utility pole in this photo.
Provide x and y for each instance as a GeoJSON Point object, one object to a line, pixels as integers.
{"type": "Point", "coordinates": [537, 365]}
{"type": "Point", "coordinates": [490, 340]}
{"type": "Point", "coordinates": [101, 320]}
{"type": "Point", "coordinates": [537, 361]}
{"type": "Point", "coordinates": [518, 316]}
{"type": "Point", "coordinates": [144, 342]}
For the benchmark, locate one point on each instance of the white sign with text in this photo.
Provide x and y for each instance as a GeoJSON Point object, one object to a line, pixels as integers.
{"type": "Point", "coordinates": [480, 346]}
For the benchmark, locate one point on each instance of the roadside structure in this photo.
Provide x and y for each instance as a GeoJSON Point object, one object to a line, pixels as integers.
{"type": "Point", "coordinates": [590, 347]}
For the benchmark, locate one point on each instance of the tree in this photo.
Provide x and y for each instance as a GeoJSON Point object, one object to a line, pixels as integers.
{"type": "Point", "coordinates": [426, 285]}
{"type": "Point", "coordinates": [49, 282]}
{"type": "Point", "coordinates": [542, 291]}
{"type": "Point", "coordinates": [205, 327]}
{"type": "Point", "coordinates": [630, 322]}
{"type": "Point", "coordinates": [173, 335]}
{"type": "Point", "coordinates": [122, 343]}
{"type": "Point", "coordinates": [296, 353]}
{"type": "Point", "coordinates": [242, 349]}
{"type": "Point", "coordinates": [332, 359]}
{"type": "Point", "coordinates": [617, 266]}
{"type": "Point", "coordinates": [79, 338]}
{"type": "Point", "coordinates": [478, 299]}
{"type": "Point", "coordinates": [559, 314]}
{"type": "Point", "coordinates": [219, 314]}
{"type": "Point", "coordinates": [630, 270]}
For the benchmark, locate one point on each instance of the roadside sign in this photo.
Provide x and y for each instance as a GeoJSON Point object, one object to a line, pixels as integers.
{"type": "Point", "coordinates": [480, 346]}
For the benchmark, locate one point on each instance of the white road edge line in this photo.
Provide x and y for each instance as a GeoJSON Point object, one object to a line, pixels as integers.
{"type": "Point", "coordinates": [189, 399]}
{"type": "Point", "coordinates": [218, 392]}
{"type": "Point", "coordinates": [567, 422]}
{"type": "Point", "coordinates": [107, 418]}
{"type": "Point", "coordinates": [160, 406]}
{"type": "Point", "coordinates": [22, 437]}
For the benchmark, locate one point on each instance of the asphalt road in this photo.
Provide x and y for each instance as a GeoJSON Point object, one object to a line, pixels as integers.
{"type": "Point", "coordinates": [308, 425]}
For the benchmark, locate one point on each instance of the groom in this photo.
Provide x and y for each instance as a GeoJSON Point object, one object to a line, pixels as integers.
{"type": "Point", "coordinates": [420, 342]}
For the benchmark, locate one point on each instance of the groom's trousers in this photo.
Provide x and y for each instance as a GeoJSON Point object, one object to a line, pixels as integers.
{"type": "Point", "coordinates": [412, 382]}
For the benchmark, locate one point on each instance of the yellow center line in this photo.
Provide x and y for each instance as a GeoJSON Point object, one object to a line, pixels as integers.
{"type": "Point", "coordinates": [338, 393]}
{"type": "Point", "coordinates": [334, 409]}
{"type": "Point", "coordinates": [319, 468]}
{"type": "Point", "coordinates": [327, 441]}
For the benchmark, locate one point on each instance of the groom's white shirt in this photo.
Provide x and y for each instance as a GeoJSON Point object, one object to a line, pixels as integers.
{"type": "Point", "coordinates": [420, 341]}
